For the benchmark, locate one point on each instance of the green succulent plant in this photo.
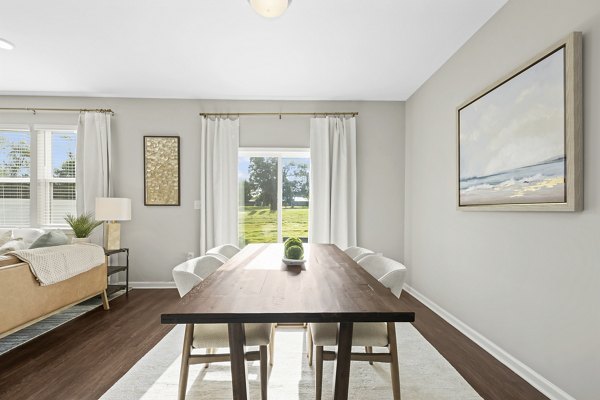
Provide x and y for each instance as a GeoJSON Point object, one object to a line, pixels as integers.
{"type": "Point", "coordinates": [293, 241]}
{"type": "Point", "coordinates": [294, 252]}
{"type": "Point", "coordinates": [82, 225]}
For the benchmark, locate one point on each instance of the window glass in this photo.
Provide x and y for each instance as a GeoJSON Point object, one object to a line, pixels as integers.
{"type": "Point", "coordinates": [56, 177]}
{"type": "Point", "coordinates": [274, 194]}
{"type": "Point", "coordinates": [295, 194]}
{"type": "Point", "coordinates": [258, 205]}
{"type": "Point", "coordinates": [15, 173]}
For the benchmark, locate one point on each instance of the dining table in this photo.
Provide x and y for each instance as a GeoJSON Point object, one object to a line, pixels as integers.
{"type": "Point", "coordinates": [256, 286]}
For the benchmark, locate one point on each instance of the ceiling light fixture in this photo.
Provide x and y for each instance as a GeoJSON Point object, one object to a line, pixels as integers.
{"type": "Point", "coordinates": [270, 8]}
{"type": "Point", "coordinates": [6, 45]}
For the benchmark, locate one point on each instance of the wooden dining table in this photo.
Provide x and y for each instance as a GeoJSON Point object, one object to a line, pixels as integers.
{"type": "Point", "coordinates": [255, 286]}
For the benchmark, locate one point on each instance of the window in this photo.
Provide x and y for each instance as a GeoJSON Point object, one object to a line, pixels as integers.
{"type": "Point", "coordinates": [52, 172]}
{"type": "Point", "coordinates": [56, 176]}
{"type": "Point", "coordinates": [15, 175]}
{"type": "Point", "coordinates": [274, 193]}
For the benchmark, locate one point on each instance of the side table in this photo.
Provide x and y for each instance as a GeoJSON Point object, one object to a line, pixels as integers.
{"type": "Point", "coordinates": [113, 269]}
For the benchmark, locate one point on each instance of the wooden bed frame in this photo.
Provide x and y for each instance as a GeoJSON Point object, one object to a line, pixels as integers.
{"type": "Point", "coordinates": [24, 302]}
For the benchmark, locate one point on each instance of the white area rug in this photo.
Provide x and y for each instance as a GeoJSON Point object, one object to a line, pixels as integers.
{"type": "Point", "coordinates": [424, 373]}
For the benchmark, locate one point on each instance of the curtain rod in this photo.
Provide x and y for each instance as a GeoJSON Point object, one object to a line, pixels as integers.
{"type": "Point", "coordinates": [36, 109]}
{"type": "Point", "coordinates": [351, 113]}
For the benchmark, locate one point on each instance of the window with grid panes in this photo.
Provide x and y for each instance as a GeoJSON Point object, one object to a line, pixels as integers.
{"type": "Point", "coordinates": [51, 170]}
{"type": "Point", "coordinates": [56, 176]}
{"type": "Point", "coordinates": [15, 178]}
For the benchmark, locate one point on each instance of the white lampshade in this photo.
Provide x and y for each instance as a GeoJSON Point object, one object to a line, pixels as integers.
{"type": "Point", "coordinates": [113, 209]}
{"type": "Point", "coordinates": [270, 8]}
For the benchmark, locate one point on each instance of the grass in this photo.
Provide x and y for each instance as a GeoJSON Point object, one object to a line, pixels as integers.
{"type": "Point", "coordinates": [259, 224]}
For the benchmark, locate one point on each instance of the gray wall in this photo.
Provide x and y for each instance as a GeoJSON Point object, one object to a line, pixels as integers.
{"type": "Point", "coordinates": [160, 237]}
{"type": "Point", "coordinates": [529, 282]}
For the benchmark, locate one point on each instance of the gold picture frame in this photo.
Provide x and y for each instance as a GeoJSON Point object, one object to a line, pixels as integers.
{"type": "Point", "coordinates": [162, 185]}
{"type": "Point", "coordinates": [508, 163]}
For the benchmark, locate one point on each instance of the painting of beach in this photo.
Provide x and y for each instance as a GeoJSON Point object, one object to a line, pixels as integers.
{"type": "Point", "coordinates": [512, 139]}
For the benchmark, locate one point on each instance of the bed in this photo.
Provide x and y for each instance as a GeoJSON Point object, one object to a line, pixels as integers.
{"type": "Point", "coordinates": [23, 301]}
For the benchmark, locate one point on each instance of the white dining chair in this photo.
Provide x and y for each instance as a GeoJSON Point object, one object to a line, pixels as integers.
{"type": "Point", "coordinates": [214, 336]}
{"type": "Point", "coordinates": [392, 275]}
{"type": "Point", "coordinates": [190, 273]}
{"type": "Point", "coordinates": [224, 252]}
{"type": "Point", "coordinates": [357, 253]}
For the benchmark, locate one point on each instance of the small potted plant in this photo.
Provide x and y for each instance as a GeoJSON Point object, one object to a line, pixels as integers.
{"type": "Point", "coordinates": [293, 251]}
{"type": "Point", "coordinates": [82, 226]}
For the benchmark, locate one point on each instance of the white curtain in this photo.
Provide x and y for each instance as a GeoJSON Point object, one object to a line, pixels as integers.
{"type": "Point", "coordinates": [218, 182]}
{"type": "Point", "coordinates": [332, 211]}
{"type": "Point", "coordinates": [92, 160]}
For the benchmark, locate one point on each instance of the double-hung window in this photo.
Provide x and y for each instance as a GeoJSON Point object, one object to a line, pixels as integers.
{"type": "Point", "coordinates": [15, 177]}
{"type": "Point", "coordinates": [37, 176]}
{"type": "Point", "coordinates": [56, 175]}
{"type": "Point", "coordinates": [273, 194]}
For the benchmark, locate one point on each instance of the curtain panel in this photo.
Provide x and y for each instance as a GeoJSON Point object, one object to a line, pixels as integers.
{"type": "Point", "coordinates": [93, 164]}
{"type": "Point", "coordinates": [218, 182]}
{"type": "Point", "coordinates": [332, 211]}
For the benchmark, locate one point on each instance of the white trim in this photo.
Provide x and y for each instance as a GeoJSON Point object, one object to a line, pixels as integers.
{"type": "Point", "coordinates": [286, 152]}
{"type": "Point", "coordinates": [9, 179]}
{"type": "Point", "coordinates": [536, 380]}
{"type": "Point", "coordinates": [151, 285]}
{"type": "Point", "coordinates": [279, 199]}
{"type": "Point", "coordinates": [15, 127]}
{"type": "Point", "coordinates": [55, 128]}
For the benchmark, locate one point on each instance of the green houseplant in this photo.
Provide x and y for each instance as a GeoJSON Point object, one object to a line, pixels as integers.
{"type": "Point", "coordinates": [293, 241]}
{"type": "Point", "coordinates": [82, 226]}
{"type": "Point", "coordinates": [293, 249]}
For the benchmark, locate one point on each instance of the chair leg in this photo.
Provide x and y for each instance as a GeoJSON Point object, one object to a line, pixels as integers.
{"type": "Point", "coordinates": [209, 351]}
{"type": "Point", "coordinates": [319, 372]}
{"type": "Point", "coordinates": [185, 358]}
{"type": "Point", "coordinates": [309, 345]}
{"type": "Point", "coordinates": [272, 346]}
{"type": "Point", "coordinates": [263, 372]}
{"type": "Point", "coordinates": [394, 366]}
{"type": "Point", "coordinates": [369, 349]}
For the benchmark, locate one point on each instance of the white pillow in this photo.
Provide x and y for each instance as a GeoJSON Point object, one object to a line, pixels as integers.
{"type": "Point", "coordinates": [5, 236]}
{"type": "Point", "coordinates": [15, 244]}
{"type": "Point", "coordinates": [29, 235]}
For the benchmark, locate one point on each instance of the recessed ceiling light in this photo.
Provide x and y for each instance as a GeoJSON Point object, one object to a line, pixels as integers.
{"type": "Point", "coordinates": [6, 45]}
{"type": "Point", "coordinates": [270, 8]}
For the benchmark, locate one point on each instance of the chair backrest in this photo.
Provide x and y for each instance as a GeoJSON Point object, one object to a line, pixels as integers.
{"type": "Point", "coordinates": [390, 273]}
{"type": "Point", "coordinates": [190, 273]}
{"type": "Point", "coordinates": [226, 250]}
{"type": "Point", "coordinates": [357, 253]}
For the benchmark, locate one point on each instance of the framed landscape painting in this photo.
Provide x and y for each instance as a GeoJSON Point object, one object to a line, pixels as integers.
{"type": "Point", "coordinates": [161, 171]}
{"type": "Point", "coordinates": [519, 141]}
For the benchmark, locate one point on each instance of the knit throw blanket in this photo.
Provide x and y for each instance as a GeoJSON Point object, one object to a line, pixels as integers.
{"type": "Point", "coordinates": [57, 263]}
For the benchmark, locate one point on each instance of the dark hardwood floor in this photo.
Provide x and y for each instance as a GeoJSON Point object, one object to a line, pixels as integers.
{"type": "Point", "coordinates": [83, 358]}
{"type": "Point", "coordinates": [488, 376]}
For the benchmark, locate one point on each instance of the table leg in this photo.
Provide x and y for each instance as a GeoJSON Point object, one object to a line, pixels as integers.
{"type": "Point", "coordinates": [238, 361]}
{"type": "Point", "coordinates": [342, 369]}
{"type": "Point", "coordinates": [185, 360]}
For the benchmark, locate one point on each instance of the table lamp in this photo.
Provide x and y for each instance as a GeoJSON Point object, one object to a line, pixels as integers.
{"type": "Point", "coordinates": [110, 210]}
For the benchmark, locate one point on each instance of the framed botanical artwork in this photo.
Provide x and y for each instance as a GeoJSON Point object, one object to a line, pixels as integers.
{"type": "Point", "coordinates": [161, 171]}
{"type": "Point", "coordinates": [520, 140]}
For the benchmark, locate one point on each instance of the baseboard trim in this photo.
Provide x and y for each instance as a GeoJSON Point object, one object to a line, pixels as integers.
{"type": "Point", "coordinates": [536, 380]}
{"type": "Point", "coordinates": [152, 285]}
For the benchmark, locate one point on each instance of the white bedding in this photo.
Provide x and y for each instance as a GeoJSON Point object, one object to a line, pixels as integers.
{"type": "Point", "coordinates": [55, 264]}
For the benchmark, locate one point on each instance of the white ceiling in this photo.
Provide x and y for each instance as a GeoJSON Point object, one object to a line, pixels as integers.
{"type": "Point", "coordinates": [221, 49]}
